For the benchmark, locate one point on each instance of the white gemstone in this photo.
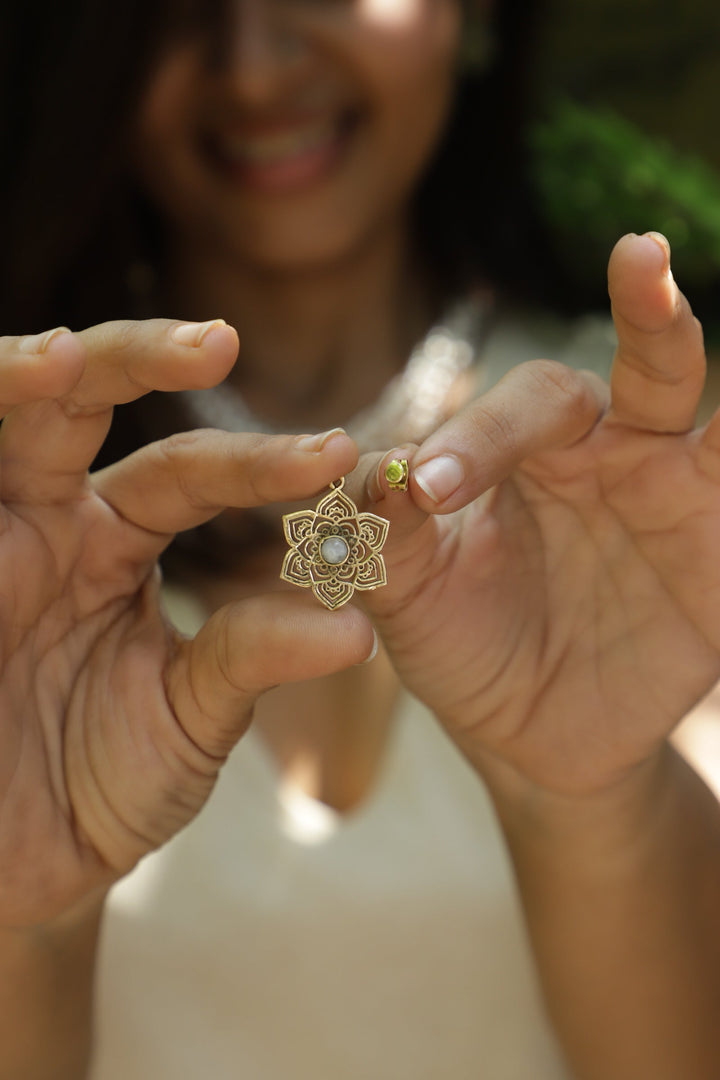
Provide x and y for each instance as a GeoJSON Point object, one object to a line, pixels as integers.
{"type": "Point", "coordinates": [334, 550]}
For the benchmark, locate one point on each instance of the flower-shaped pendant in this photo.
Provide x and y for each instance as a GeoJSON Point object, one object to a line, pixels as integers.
{"type": "Point", "coordinates": [334, 549]}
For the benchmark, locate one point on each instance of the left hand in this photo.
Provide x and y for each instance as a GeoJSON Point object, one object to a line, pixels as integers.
{"type": "Point", "coordinates": [559, 609]}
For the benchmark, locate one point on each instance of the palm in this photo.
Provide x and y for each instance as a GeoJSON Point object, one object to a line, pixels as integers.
{"type": "Point", "coordinates": [568, 622]}
{"type": "Point", "coordinates": [580, 590]}
{"type": "Point", "coordinates": [73, 698]}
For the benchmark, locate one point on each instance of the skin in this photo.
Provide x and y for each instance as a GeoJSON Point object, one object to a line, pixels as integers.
{"type": "Point", "coordinates": [317, 272]}
{"type": "Point", "coordinates": [309, 255]}
{"type": "Point", "coordinates": [114, 728]}
{"type": "Point", "coordinates": [588, 839]}
{"type": "Point", "coordinates": [488, 616]}
{"type": "Point", "coordinates": [560, 628]}
{"type": "Point", "coordinates": [91, 619]}
{"type": "Point", "coordinates": [587, 465]}
{"type": "Point", "coordinates": [378, 73]}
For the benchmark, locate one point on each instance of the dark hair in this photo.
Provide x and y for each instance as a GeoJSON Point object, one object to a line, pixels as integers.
{"type": "Point", "coordinates": [476, 210]}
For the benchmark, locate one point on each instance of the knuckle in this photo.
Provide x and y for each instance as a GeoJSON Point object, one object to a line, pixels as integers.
{"type": "Point", "coordinates": [260, 467]}
{"type": "Point", "coordinates": [554, 377]}
{"type": "Point", "coordinates": [184, 443]}
{"type": "Point", "coordinates": [496, 425]}
{"type": "Point", "coordinates": [117, 337]}
{"type": "Point", "coordinates": [561, 384]}
{"type": "Point", "coordinates": [178, 455]}
{"type": "Point", "coordinates": [226, 654]}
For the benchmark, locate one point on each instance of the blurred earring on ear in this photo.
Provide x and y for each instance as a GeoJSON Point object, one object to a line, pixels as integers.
{"type": "Point", "coordinates": [476, 42]}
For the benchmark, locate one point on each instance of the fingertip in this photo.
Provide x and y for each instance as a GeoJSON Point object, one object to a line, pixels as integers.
{"type": "Point", "coordinates": [439, 479]}
{"type": "Point", "coordinates": [220, 334]}
{"type": "Point", "coordinates": [622, 243]}
{"type": "Point", "coordinates": [663, 244]}
{"type": "Point", "coordinates": [373, 651]}
{"type": "Point", "coordinates": [332, 453]}
{"type": "Point", "coordinates": [648, 253]}
{"type": "Point", "coordinates": [193, 334]}
{"type": "Point", "coordinates": [38, 344]}
{"type": "Point", "coordinates": [215, 344]}
{"type": "Point", "coordinates": [310, 641]}
{"type": "Point", "coordinates": [315, 444]}
{"type": "Point", "coordinates": [59, 362]}
{"type": "Point", "coordinates": [221, 342]}
{"type": "Point", "coordinates": [640, 282]}
{"type": "Point", "coordinates": [364, 635]}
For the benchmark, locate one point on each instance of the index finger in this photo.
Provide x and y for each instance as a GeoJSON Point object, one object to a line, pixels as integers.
{"type": "Point", "coordinates": [538, 406]}
{"type": "Point", "coordinates": [48, 445]}
{"type": "Point", "coordinates": [659, 368]}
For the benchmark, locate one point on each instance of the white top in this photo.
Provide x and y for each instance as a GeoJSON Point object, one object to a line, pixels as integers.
{"type": "Point", "coordinates": [277, 939]}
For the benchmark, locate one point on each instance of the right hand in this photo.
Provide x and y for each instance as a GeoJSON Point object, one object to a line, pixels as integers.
{"type": "Point", "coordinates": [113, 727]}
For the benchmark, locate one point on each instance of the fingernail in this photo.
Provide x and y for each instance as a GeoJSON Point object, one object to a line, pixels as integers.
{"type": "Point", "coordinates": [664, 244]}
{"type": "Point", "coordinates": [194, 333]}
{"type": "Point", "coordinates": [315, 443]}
{"type": "Point", "coordinates": [373, 651]}
{"type": "Point", "coordinates": [440, 477]}
{"type": "Point", "coordinates": [38, 343]}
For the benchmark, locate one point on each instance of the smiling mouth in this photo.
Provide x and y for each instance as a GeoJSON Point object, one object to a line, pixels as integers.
{"type": "Point", "coordinates": [283, 157]}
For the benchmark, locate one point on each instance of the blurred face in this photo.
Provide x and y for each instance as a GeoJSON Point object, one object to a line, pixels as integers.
{"type": "Point", "coordinates": [307, 133]}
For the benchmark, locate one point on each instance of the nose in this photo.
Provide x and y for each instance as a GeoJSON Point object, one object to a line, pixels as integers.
{"type": "Point", "coordinates": [263, 51]}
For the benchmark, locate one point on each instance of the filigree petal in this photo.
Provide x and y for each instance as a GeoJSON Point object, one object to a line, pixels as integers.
{"type": "Point", "coordinates": [361, 551]}
{"type": "Point", "coordinates": [373, 530]}
{"type": "Point", "coordinates": [336, 506]}
{"type": "Point", "coordinates": [347, 571]}
{"type": "Point", "coordinates": [322, 571]}
{"type": "Point", "coordinates": [305, 532]}
{"type": "Point", "coordinates": [371, 574]}
{"type": "Point", "coordinates": [309, 547]}
{"type": "Point", "coordinates": [296, 569]}
{"type": "Point", "coordinates": [333, 593]}
{"type": "Point", "coordinates": [298, 526]}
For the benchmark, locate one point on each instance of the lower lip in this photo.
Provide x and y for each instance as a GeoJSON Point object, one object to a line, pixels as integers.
{"type": "Point", "coordinates": [292, 173]}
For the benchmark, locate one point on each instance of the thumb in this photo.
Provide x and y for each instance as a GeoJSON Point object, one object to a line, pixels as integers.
{"type": "Point", "coordinates": [214, 680]}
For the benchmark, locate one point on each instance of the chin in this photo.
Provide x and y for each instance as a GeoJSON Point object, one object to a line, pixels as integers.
{"type": "Point", "coordinates": [285, 251]}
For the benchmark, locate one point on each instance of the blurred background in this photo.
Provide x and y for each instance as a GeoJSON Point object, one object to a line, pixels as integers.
{"type": "Point", "coordinates": [626, 137]}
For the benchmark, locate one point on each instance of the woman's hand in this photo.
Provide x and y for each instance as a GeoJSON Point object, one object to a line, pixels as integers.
{"type": "Point", "coordinates": [563, 622]}
{"type": "Point", "coordinates": [558, 606]}
{"type": "Point", "coordinates": [112, 726]}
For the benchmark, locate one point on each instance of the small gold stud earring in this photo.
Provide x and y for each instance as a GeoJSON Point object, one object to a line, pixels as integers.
{"type": "Point", "coordinates": [397, 474]}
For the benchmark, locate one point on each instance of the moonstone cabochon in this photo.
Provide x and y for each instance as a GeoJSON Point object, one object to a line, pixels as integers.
{"type": "Point", "coordinates": [334, 550]}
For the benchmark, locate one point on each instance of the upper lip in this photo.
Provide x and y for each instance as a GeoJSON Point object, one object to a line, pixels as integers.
{"type": "Point", "coordinates": [280, 120]}
{"type": "Point", "coordinates": [271, 135]}
{"type": "Point", "coordinates": [260, 127]}
{"type": "Point", "coordinates": [279, 143]}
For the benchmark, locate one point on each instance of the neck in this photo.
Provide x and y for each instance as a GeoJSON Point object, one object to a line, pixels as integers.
{"type": "Point", "coordinates": [317, 343]}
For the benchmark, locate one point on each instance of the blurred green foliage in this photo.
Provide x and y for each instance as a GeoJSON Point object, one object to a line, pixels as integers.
{"type": "Point", "coordinates": [655, 62]}
{"type": "Point", "coordinates": [599, 176]}
{"type": "Point", "coordinates": [625, 138]}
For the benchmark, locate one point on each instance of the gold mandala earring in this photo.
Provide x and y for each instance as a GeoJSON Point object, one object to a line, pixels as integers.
{"type": "Point", "coordinates": [334, 549]}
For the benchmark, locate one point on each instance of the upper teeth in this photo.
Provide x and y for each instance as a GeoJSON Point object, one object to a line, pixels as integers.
{"type": "Point", "coordinates": [275, 147]}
